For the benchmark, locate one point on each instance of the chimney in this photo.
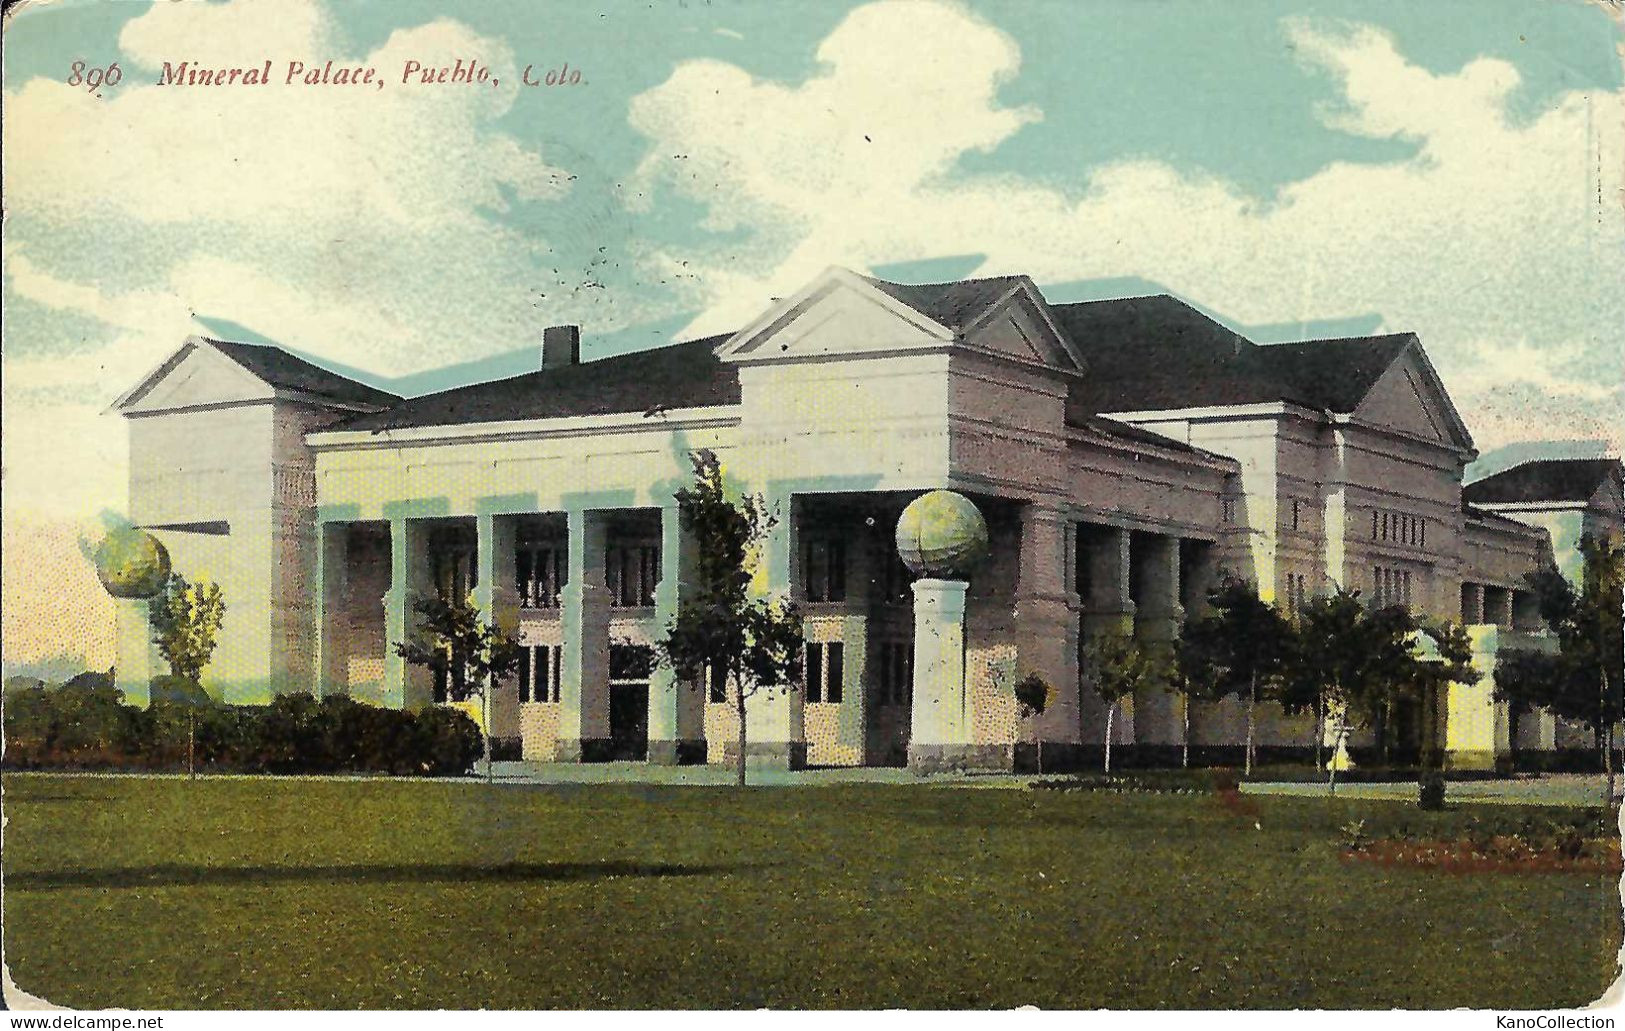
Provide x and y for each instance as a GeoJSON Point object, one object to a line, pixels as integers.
{"type": "Point", "coordinates": [561, 346]}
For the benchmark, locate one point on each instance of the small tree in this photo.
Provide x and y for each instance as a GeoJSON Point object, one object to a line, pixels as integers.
{"type": "Point", "coordinates": [1250, 643]}
{"type": "Point", "coordinates": [751, 644]}
{"type": "Point", "coordinates": [1354, 658]}
{"type": "Point", "coordinates": [1119, 665]}
{"type": "Point", "coordinates": [186, 620]}
{"type": "Point", "coordinates": [471, 654]}
{"type": "Point", "coordinates": [1583, 680]}
{"type": "Point", "coordinates": [1198, 673]}
{"type": "Point", "coordinates": [1032, 698]}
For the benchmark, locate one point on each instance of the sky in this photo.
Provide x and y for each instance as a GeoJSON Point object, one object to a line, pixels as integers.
{"type": "Point", "coordinates": [1296, 169]}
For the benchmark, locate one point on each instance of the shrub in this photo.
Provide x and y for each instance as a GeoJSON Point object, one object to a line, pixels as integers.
{"type": "Point", "coordinates": [85, 725]}
{"type": "Point", "coordinates": [450, 742]}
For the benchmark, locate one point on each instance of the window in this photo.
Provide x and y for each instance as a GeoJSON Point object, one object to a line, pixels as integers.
{"type": "Point", "coordinates": [630, 663]}
{"type": "Point", "coordinates": [539, 671]}
{"type": "Point", "coordinates": [540, 576]}
{"type": "Point", "coordinates": [1400, 528]}
{"type": "Point", "coordinates": [825, 668]}
{"type": "Point", "coordinates": [1227, 510]}
{"type": "Point", "coordinates": [896, 672]}
{"type": "Point", "coordinates": [453, 562]}
{"type": "Point", "coordinates": [632, 573]}
{"type": "Point", "coordinates": [1390, 586]}
{"type": "Point", "coordinates": [823, 570]}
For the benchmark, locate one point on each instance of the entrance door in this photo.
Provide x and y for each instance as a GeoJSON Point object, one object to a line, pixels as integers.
{"type": "Point", "coordinates": [629, 721]}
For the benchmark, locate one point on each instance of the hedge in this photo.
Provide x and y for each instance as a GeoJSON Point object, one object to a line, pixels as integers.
{"type": "Point", "coordinates": [88, 726]}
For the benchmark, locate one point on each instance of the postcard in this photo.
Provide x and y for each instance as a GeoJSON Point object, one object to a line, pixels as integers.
{"type": "Point", "coordinates": [872, 505]}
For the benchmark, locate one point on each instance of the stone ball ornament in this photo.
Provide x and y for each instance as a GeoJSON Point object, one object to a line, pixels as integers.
{"type": "Point", "coordinates": [132, 563]}
{"type": "Point", "coordinates": [941, 535]}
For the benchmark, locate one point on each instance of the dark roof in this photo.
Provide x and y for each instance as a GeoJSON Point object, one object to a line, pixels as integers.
{"type": "Point", "coordinates": [1335, 374]}
{"type": "Point", "coordinates": [1495, 519]}
{"type": "Point", "coordinates": [1552, 479]}
{"type": "Point", "coordinates": [290, 372]}
{"type": "Point", "coordinates": [686, 375]}
{"type": "Point", "coordinates": [955, 305]}
{"type": "Point", "coordinates": [1157, 352]}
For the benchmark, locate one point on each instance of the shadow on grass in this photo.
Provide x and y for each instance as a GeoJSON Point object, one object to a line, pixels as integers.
{"type": "Point", "coordinates": [165, 875]}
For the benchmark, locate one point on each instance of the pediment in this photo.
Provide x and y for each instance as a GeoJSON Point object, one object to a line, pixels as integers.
{"type": "Point", "coordinates": [194, 376]}
{"type": "Point", "coordinates": [843, 314]}
{"type": "Point", "coordinates": [838, 315]}
{"type": "Point", "coordinates": [1410, 399]}
{"type": "Point", "coordinates": [1020, 328]}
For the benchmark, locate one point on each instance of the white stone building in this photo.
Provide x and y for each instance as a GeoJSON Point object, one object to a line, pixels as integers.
{"type": "Point", "coordinates": [1123, 453]}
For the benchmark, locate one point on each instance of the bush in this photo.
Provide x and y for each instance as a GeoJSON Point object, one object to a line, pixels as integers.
{"type": "Point", "coordinates": [86, 725]}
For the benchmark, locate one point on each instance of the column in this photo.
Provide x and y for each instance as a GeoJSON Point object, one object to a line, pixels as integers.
{"type": "Point", "coordinates": [497, 597]}
{"type": "Point", "coordinates": [676, 707]}
{"type": "Point", "coordinates": [1477, 727]}
{"type": "Point", "coordinates": [332, 621]}
{"type": "Point", "coordinates": [1047, 627]}
{"type": "Point", "coordinates": [584, 611]}
{"type": "Point", "coordinates": [1472, 604]}
{"type": "Point", "coordinates": [1107, 609]}
{"type": "Point", "coordinates": [1157, 619]}
{"type": "Point", "coordinates": [940, 732]}
{"type": "Point", "coordinates": [138, 658]}
{"type": "Point", "coordinates": [775, 729]}
{"type": "Point", "coordinates": [405, 686]}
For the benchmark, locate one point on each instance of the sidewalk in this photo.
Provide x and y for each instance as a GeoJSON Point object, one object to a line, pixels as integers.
{"type": "Point", "coordinates": [1552, 789]}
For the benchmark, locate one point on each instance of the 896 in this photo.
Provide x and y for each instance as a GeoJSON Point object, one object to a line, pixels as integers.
{"type": "Point", "coordinates": [93, 79]}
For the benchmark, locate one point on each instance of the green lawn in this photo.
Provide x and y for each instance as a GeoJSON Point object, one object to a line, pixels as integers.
{"type": "Point", "coordinates": [143, 893]}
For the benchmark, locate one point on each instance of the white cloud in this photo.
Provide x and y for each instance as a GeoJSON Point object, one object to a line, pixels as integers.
{"type": "Point", "coordinates": [1489, 239]}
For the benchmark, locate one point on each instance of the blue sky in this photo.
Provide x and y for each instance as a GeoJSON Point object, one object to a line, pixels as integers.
{"type": "Point", "coordinates": [1298, 169]}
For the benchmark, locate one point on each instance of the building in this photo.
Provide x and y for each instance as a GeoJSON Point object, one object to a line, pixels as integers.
{"type": "Point", "coordinates": [1123, 453]}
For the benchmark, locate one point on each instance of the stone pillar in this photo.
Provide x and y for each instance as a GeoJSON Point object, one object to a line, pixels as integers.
{"type": "Point", "coordinates": [497, 595]}
{"type": "Point", "coordinates": [676, 707]}
{"type": "Point", "coordinates": [940, 728]}
{"type": "Point", "coordinates": [1498, 606]}
{"type": "Point", "coordinates": [1047, 626]}
{"type": "Point", "coordinates": [1477, 727]}
{"type": "Point", "coordinates": [1108, 609]}
{"type": "Point", "coordinates": [138, 659]}
{"type": "Point", "coordinates": [584, 611]}
{"type": "Point", "coordinates": [332, 621]}
{"type": "Point", "coordinates": [1157, 619]}
{"type": "Point", "coordinates": [1536, 731]}
{"type": "Point", "coordinates": [1472, 604]}
{"type": "Point", "coordinates": [775, 718]}
{"type": "Point", "coordinates": [405, 686]}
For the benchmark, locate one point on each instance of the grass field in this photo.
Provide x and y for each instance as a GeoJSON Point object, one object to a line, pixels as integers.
{"type": "Point", "coordinates": [258, 893]}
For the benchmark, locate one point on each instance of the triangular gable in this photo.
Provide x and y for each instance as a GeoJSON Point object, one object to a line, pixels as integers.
{"type": "Point", "coordinates": [196, 375]}
{"type": "Point", "coordinates": [1408, 397]}
{"type": "Point", "coordinates": [844, 314]}
{"type": "Point", "coordinates": [1019, 326]}
{"type": "Point", "coordinates": [837, 313]}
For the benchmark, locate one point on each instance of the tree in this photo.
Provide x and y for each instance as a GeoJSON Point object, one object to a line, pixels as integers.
{"type": "Point", "coordinates": [471, 654]}
{"type": "Point", "coordinates": [1583, 680]}
{"type": "Point", "coordinates": [1032, 698]}
{"type": "Point", "coordinates": [1119, 666]}
{"type": "Point", "coordinates": [1353, 657]}
{"type": "Point", "coordinates": [186, 620]}
{"type": "Point", "coordinates": [720, 630]}
{"type": "Point", "coordinates": [1198, 673]}
{"type": "Point", "coordinates": [1250, 641]}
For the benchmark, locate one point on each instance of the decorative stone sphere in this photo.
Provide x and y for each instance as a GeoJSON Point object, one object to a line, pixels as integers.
{"type": "Point", "coordinates": [941, 534]}
{"type": "Point", "coordinates": [132, 563]}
